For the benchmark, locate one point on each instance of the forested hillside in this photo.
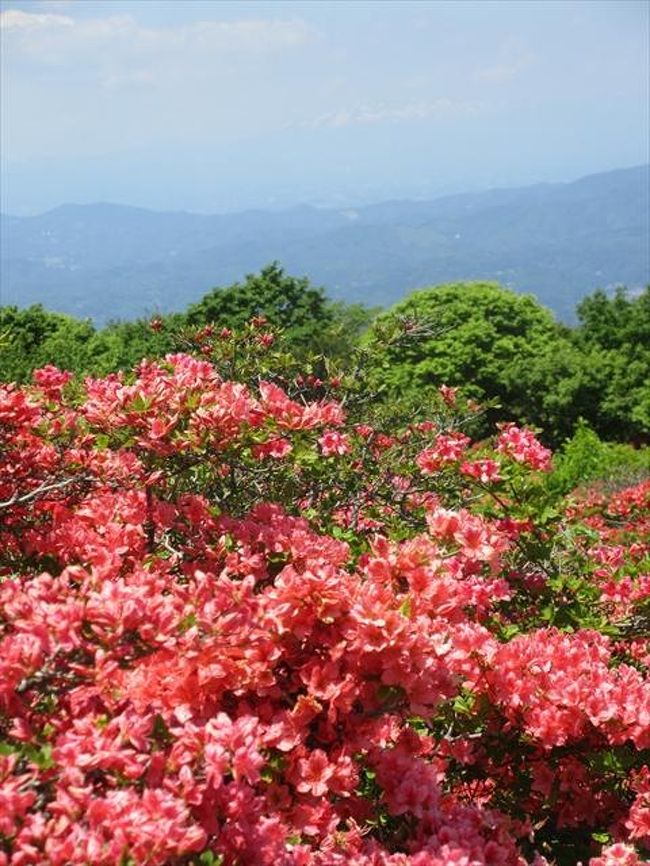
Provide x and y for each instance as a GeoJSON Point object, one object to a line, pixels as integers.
{"type": "Point", "coordinates": [501, 348]}
{"type": "Point", "coordinates": [558, 241]}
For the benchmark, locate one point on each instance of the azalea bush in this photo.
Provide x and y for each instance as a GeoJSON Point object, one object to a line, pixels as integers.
{"type": "Point", "coordinates": [251, 616]}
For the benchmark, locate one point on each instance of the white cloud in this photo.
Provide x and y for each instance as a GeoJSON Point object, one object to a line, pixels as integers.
{"type": "Point", "coordinates": [370, 115]}
{"type": "Point", "coordinates": [16, 20]}
{"type": "Point", "coordinates": [114, 83]}
{"type": "Point", "coordinates": [60, 39]}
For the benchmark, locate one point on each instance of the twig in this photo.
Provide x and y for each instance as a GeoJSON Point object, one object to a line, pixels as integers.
{"type": "Point", "coordinates": [44, 487]}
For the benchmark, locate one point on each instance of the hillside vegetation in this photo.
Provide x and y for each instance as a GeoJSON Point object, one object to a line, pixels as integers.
{"type": "Point", "coordinates": [268, 607]}
{"type": "Point", "coordinates": [502, 349]}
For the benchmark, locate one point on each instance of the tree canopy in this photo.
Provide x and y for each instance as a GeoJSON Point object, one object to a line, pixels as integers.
{"type": "Point", "coordinates": [308, 319]}
{"type": "Point", "coordinates": [290, 303]}
{"type": "Point", "coordinates": [506, 349]}
{"type": "Point", "coordinates": [503, 349]}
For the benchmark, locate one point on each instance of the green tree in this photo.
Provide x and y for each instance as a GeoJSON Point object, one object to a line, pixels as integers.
{"type": "Point", "coordinates": [507, 351]}
{"type": "Point", "coordinates": [477, 336]}
{"type": "Point", "coordinates": [122, 345]}
{"type": "Point", "coordinates": [614, 321]}
{"type": "Point", "coordinates": [616, 329]}
{"type": "Point", "coordinates": [564, 383]}
{"type": "Point", "coordinates": [309, 320]}
{"type": "Point", "coordinates": [35, 337]}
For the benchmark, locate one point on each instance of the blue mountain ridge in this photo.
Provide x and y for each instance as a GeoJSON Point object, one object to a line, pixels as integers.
{"type": "Point", "coordinates": [558, 241]}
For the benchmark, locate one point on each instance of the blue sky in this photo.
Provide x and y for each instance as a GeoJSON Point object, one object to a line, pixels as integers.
{"type": "Point", "coordinates": [214, 106]}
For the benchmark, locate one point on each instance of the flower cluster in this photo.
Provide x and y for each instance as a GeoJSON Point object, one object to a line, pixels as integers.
{"type": "Point", "coordinates": [242, 627]}
{"type": "Point", "coordinates": [523, 447]}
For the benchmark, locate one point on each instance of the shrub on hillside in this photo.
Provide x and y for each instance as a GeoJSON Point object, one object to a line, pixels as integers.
{"type": "Point", "coordinates": [585, 459]}
{"type": "Point", "coordinates": [506, 350]}
{"type": "Point", "coordinates": [248, 619]}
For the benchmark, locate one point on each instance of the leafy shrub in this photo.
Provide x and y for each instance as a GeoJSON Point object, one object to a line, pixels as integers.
{"type": "Point", "coordinates": [585, 459]}
{"type": "Point", "coordinates": [249, 619]}
{"type": "Point", "coordinates": [507, 351]}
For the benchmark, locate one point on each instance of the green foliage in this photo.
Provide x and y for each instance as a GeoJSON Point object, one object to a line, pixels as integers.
{"type": "Point", "coordinates": [121, 345]}
{"type": "Point", "coordinates": [502, 349]}
{"type": "Point", "coordinates": [310, 322]}
{"type": "Point", "coordinates": [507, 351]}
{"type": "Point", "coordinates": [477, 336]}
{"type": "Point", "coordinates": [616, 331]}
{"type": "Point", "coordinates": [613, 322]}
{"type": "Point", "coordinates": [585, 459]}
{"type": "Point", "coordinates": [302, 312]}
{"type": "Point", "coordinates": [559, 384]}
{"type": "Point", "coordinates": [349, 323]}
{"type": "Point", "coordinates": [35, 337]}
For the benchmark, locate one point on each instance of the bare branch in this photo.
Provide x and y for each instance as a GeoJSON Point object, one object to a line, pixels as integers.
{"type": "Point", "coordinates": [44, 487]}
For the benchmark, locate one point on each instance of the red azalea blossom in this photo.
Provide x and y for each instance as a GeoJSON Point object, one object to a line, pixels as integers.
{"type": "Point", "coordinates": [332, 442]}
{"type": "Point", "coordinates": [220, 645]}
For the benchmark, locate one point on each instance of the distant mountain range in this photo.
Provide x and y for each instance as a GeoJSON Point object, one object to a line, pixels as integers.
{"type": "Point", "coordinates": [558, 241]}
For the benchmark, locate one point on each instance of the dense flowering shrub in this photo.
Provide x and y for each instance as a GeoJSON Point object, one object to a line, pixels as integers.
{"type": "Point", "coordinates": [243, 621]}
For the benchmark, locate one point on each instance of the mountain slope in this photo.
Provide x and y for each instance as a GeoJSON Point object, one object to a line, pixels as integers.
{"type": "Point", "coordinates": [559, 241]}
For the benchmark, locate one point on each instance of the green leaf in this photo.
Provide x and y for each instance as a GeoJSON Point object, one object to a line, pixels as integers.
{"type": "Point", "coordinates": [406, 607]}
{"type": "Point", "coordinates": [603, 838]}
{"type": "Point", "coordinates": [140, 403]}
{"type": "Point", "coordinates": [209, 858]}
{"type": "Point", "coordinates": [42, 756]}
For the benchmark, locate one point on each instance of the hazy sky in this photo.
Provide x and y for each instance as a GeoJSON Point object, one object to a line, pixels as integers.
{"type": "Point", "coordinates": [225, 105]}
